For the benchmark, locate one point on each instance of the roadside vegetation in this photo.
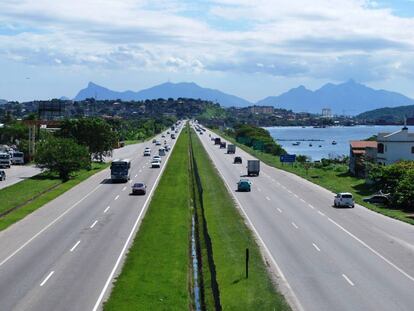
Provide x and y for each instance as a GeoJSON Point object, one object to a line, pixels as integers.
{"type": "Point", "coordinates": [155, 275]}
{"type": "Point", "coordinates": [23, 198]}
{"type": "Point", "coordinates": [230, 237]}
{"type": "Point", "coordinates": [335, 177]}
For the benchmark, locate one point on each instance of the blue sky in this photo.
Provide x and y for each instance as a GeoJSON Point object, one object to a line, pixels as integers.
{"type": "Point", "coordinates": [252, 49]}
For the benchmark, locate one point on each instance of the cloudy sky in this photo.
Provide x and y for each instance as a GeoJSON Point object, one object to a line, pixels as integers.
{"type": "Point", "coordinates": [252, 49]}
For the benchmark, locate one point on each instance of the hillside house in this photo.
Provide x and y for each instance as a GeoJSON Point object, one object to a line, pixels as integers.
{"type": "Point", "coordinates": [361, 152]}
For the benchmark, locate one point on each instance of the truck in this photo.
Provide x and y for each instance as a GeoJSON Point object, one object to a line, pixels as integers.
{"type": "Point", "coordinates": [253, 167]}
{"type": "Point", "coordinates": [17, 157]}
{"type": "Point", "coordinates": [120, 170]}
{"type": "Point", "coordinates": [231, 148]}
{"type": "Point", "coordinates": [5, 160]}
{"type": "Point", "coordinates": [217, 141]}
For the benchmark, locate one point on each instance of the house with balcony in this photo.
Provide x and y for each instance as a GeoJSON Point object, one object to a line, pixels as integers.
{"type": "Point", "coordinates": [394, 147]}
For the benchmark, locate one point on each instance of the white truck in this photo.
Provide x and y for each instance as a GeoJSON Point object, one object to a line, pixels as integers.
{"type": "Point", "coordinates": [17, 157]}
{"type": "Point", "coordinates": [253, 167]}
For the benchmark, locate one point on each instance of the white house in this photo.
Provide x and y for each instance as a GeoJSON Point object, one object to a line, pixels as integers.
{"type": "Point", "coordinates": [397, 146]}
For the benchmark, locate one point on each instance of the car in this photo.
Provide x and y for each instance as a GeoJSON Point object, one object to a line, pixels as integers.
{"type": "Point", "coordinates": [167, 148]}
{"type": "Point", "coordinates": [162, 136]}
{"type": "Point", "coordinates": [156, 158]}
{"type": "Point", "coordinates": [244, 185]}
{"type": "Point", "coordinates": [139, 188]}
{"type": "Point", "coordinates": [147, 153]}
{"type": "Point", "coordinates": [168, 132]}
{"type": "Point", "coordinates": [378, 199]}
{"type": "Point", "coordinates": [237, 160]}
{"type": "Point", "coordinates": [2, 175]}
{"type": "Point", "coordinates": [158, 143]}
{"type": "Point", "coordinates": [165, 142]}
{"type": "Point", "coordinates": [344, 199]}
{"type": "Point", "coordinates": [155, 164]}
{"type": "Point", "coordinates": [154, 141]}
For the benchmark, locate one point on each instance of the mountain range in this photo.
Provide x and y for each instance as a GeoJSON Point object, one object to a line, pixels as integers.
{"type": "Point", "coordinates": [350, 98]}
{"type": "Point", "coordinates": [165, 90]}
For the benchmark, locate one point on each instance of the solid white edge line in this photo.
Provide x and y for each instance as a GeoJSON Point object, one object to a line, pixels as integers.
{"type": "Point", "coordinates": [106, 209]}
{"type": "Point", "coordinates": [279, 271]}
{"type": "Point", "coordinates": [74, 246]}
{"type": "Point", "coordinates": [316, 247]}
{"type": "Point", "coordinates": [118, 261]}
{"type": "Point", "coordinates": [47, 278]}
{"type": "Point", "coordinates": [348, 280]}
{"type": "Point", "coordinates": [48, 226]}
{"type": "Point", "coordinates": [94, 223]}
{"type": "Point", "coordinates": [372, 250]}
{"type": "Point", "coordinates": [320, 213]}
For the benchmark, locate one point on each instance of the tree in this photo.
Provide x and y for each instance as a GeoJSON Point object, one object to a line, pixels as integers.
{"type": "Point", "coordinates": [94, 133]}
{"type": "Point", "coordinates": [62, 155]}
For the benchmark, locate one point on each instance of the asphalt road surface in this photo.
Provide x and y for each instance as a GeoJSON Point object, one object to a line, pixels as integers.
{"type": "Point", "coordinates": [327, 258]}
{"type": "Point", "coordinates": [18, 173]}
{"type": "Point", "coordinates": [65, 255]}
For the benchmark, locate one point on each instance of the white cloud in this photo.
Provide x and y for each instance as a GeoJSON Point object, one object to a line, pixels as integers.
{"type": "Point", "coordinates": [321, 39]}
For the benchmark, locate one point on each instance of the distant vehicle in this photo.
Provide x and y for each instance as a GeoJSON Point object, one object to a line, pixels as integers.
{"type": "Point", "coordinates": [344, 199]}
{"type": "Point", "coordinates": [244, 185]}
{"type": "Point", "coordinates": [231, 149]}
{"type": "Point", "coordinates": [161, 152]}
{"type": "Point", "coordinates": [156, 164]}
{"type": "Point", "coordinates": [17, 157]}
{"type": "Point", "coordinates": [120, 170]}
{"type": "Point", "coordinates": [378, 199]}
{"type": "Point", "coordinates": [5, 160]}
{"type": "Point", "coordinates": [201, 133]}
{"type": "Point", "coordinates": [162, 136]}
{"type": "Point", "coordinates": [167, 148]}
{"type": "Point", "coordinates": [139, 188]}
{"type": "Point", "coordinates": [154, 141]}
{"type": "Point", "coordinates": [296, 143]}
{"type": "Point", "coordinates": [172, 136]}
{"type": "Point", "coordinates": [223, 145]}
{"type": "Point", "coordinates": [147, 153]}
{"type": "Point", "coordinates": [217, 141]}
{"type": "Point", "coordinates": [2, 175]}
{"type": "Point", "coordinates": [168, 132]}
{"type": "Point", "coordinates": [158, 143]}
{"type": "Point", "coordinates": [156, 158]}
{"type": "Point", "coordinates": [237, 160]}
{"type": "Point", "coordinates": [253, 167]}
{"type": "Point", "coordinates": [176, 131]}
{"type": "Point", "coordinates": [165, 142]}
{"type": "Point", "coordinates": [212, 138]}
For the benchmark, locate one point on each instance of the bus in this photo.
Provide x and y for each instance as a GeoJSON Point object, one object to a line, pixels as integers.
{"type": "Point", "coordinates": [17, 157]}
{"type": "Point", "coordinates": [120, 170]}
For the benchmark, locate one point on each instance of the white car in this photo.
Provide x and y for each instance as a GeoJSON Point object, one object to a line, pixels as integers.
{"type": "Point", "coordinates": [156, 158]}
{"type": "Point", "coordinates": [155, 164]}
{"type": "Point", "coordinates": [147, 153]}
{"type": "Point", "coordinates": [344, 199]}
{"type": "Point", "coordinates": [158, 143]}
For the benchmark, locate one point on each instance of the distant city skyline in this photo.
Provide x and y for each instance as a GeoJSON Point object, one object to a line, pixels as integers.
{"type": "Point", "coordinates": [251, 49]}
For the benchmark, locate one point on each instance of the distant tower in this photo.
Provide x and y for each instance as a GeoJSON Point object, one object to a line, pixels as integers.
{"type": "Point", "coordinates": [326, 113]}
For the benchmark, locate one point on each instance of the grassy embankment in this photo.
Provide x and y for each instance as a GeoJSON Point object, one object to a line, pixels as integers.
{"type": "Point", "coordinates": [155, 275]}
{"type": "Point", "coordinates": [230, 237]}
{"type": "Point", "coordinates": [334, 178]}
{"type": "Point", "coordinates": [27, 196]}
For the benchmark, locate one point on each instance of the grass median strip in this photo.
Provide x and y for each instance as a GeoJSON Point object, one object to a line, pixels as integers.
{"type": "Point", "coordinates": [27, 196]}
{"type": "Point", "coordinates": [155, 274]}
{"type": "Point", "coordinates": [230, 237]}
{"type": "Point", "coordinates": [335, 180]}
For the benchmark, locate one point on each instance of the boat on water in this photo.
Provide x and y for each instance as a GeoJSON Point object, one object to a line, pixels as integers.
{"type": "Point", "coordinates": [296, 143]}
{"type": "Point", "coordinates": [310, 145]}
{"type": "Point", "coordinates": [334, 142]}
{"type": "Point", "coordinates": [320, 146]}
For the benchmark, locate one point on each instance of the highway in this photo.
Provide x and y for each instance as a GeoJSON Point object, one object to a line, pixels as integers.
{"type": "Point", "coordinates": [65, 255]}
{"type": "Point", "coordinates": [325, 258]}
{"type": "Point", "coordinates": [17, 173]}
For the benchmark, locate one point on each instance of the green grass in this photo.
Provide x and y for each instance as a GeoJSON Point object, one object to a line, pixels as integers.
{"type": "Point", "coordinates": [230, 237]}
{"type": "Point", "coordinates": [35, 192]}
{"type": "Point", "coordinates": [334, 178]}
{"type": "Point", "coordinates": [132, 142]}
{"type": "Point", "coordinates": [155, 275]}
